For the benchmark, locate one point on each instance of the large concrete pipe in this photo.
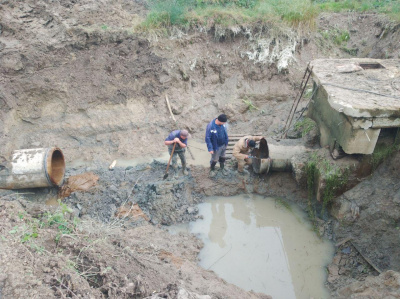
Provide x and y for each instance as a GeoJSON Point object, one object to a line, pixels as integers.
{"type": "Point", "coordinates": [276, 155]}
{"type": "Point", "coordinates": [31, 168]}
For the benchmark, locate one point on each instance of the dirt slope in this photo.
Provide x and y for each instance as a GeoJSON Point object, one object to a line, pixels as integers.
{"type": "Point", "coordinates": [75, 75]}
{"type": "Point", "coordinates": [375, 227]}
{"type": "Point", "coordinates": [44, 254]}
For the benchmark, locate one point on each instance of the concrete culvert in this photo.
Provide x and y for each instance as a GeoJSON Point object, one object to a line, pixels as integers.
{"type": "Point", "coordinates": [276, 155]}
{"type": "Point", "coordinates": [261, 163]}
{"type": "Point", "coordinates": [32, 168]}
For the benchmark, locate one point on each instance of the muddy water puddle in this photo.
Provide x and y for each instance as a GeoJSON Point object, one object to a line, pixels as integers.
{"type": "Point", "coordinates": [259, 244]}
{"type": "Point", "coordinates": [198, 155]}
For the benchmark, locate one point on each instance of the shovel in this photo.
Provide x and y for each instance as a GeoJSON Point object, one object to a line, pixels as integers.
{"type": "Point", "coordinates": [170, 158]}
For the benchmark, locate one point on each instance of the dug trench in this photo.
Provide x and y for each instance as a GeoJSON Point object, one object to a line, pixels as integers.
{"type": "Point", "coordinates": [98, 93]}
{"type": "Point", "coordinates": [108, 235]}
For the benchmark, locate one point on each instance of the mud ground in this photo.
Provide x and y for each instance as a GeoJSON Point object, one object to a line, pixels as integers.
{"type": "Point", "coordinates": [78, 76]}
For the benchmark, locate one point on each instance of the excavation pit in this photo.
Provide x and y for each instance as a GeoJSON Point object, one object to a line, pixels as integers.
{"type": "Point", "coordinates": [262, 244]}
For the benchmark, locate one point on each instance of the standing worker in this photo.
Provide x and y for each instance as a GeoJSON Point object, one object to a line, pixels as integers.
{"type": "Point", "coordinates": [217, 141]}
{"type": "Point", "coordinates": [241, 149]}
{"type": "Point", "coordinates": [180, 138]}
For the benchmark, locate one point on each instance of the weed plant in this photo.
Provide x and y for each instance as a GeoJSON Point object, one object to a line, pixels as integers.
{"type": "Point", "coordinates": [311, 168]}
{"type": "Point", "coordinates": [280, 202]}
{"type": "Point", "coordinates": [30, 229]}
{"type": "Point", "coordinates": [334, 177]}
{"type": "Point", "coordinates": [251, 106]}
{"type": "Point", "coordinates": [304, 126]}
{"type": "Point", "coordinates": [382, 152]}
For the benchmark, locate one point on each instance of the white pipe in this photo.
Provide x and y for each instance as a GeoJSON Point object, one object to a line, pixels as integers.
{"type": "Point", "coordinates": [277, 156]}
{"type": "Point", "coordinates": [32, 168]}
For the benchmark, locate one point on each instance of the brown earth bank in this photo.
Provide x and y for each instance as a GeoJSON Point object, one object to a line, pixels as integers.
{"type": "Point", "coordinates": [77, 76]}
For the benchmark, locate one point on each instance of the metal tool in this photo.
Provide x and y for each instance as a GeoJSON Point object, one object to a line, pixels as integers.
{"type": "Point", "coordinates": [126, 169]}
{"type": "Point", "coordinates": [190, 152]}
{"type": "Point", "coordinates": [170, 158]}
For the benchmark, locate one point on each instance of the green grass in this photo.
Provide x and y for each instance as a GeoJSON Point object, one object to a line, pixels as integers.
{"type": "Point", "coordinates": [207, 13]}
{"type": "Point", "coordinates": [188, 14]}
{"type": "Point", "coordinates": [333, 177]}
{"type": "Point", "coordinates": [304, 126]}
{"type": "Point", "coordinates": [382, 152]}
{"type": "Point", "coordinates": [251, 106]}
{"type": "Point", "coordinates": [337, 36]}
{"type": "Point", "coordinates": [382, 6]}
{"type": "Point", "coordinates": [30, 229]}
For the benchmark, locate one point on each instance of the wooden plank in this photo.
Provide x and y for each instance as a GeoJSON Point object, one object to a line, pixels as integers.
{"type": "Point", "coordinates": [242, 135]}
{"type": "Point", "coordinates": [238, 138]}
{"type": "Point", "coordinates": [169, 108]}
{"type": "Point", "coordinates": [350, 239]}
{"type": "Point", "coordinates": [343, 241]}
{"type": "Point", "coordinates": [366, 258]}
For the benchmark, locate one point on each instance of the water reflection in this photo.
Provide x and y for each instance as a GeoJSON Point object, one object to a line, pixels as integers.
{"type": "Point", "coordinates": [218, 224]}
{"type": "Point", "coordinates": [254, 243]}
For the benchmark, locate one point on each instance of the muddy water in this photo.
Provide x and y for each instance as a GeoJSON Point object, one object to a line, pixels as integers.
{"type": "Point", "coordinates": [199, 156]}
{"type": "Point", "coordinates": [197, 147]}
{"type": "Point", "coordinates": [258, 244]}
{"type": "Point", "coordinates": [53, 201]}
{"type": "Point", "coordinates": [200, 153]}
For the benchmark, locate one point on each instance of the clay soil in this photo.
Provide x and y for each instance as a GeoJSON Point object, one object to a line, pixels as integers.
{"type": "Point", "coordinates": [76, 75]}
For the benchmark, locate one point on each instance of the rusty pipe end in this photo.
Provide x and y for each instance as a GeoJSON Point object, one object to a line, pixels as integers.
{"type": "Point", "coordinates": [55, 166]}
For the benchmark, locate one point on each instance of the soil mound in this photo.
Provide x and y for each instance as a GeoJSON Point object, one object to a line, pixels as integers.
{"type": "Point", "coordinates": [53, 255]}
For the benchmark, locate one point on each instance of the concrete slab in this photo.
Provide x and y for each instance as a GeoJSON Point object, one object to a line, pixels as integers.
{"type": "Point", "coordinates": [360, 87]}
{"type": "Point", "coordinates": [353, 99]}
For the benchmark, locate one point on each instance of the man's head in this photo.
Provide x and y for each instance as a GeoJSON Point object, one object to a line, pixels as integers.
{"type": "Point", "coordinates": [251, 144]}
{"type": "Point", "coordinates": [184, 134]}
{"type": "Point", "coordinates": [221, 119]}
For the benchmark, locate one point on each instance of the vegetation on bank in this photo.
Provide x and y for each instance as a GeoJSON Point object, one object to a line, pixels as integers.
{"type": "Point", "coordinates": [207, 13]}
{"type": "Point", "coordinates": [304, 126]}
{"type": "Point", "coordinates": [324, 178]}
{"type": "Point", "coordinates": [383, 151]}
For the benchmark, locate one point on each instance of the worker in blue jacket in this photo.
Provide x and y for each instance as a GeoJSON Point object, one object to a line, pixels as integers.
{"type": "Point", "coordinates": [179, 137]}
{"type": "Point", "coordinates": [217, 141]}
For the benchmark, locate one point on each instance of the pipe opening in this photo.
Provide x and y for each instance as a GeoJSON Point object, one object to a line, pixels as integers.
{"type": "Point", "coordinates": [56, 166]}
{"type": "Point", "coordinates": [261, 153]}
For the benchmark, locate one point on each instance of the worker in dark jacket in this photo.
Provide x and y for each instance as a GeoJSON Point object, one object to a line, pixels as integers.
{"type": "Point", "coordinates": [180, 138]}
{"type": "Point", "coordinates": [217, 141]}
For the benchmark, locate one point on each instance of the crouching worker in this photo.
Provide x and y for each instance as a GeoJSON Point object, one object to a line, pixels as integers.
{"type": "Point", "coordinates": [178, 137]}
{"type": "Point", "coordinates": [241, 151]}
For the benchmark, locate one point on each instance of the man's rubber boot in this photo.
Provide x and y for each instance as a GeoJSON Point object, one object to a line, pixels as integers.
{"type": "Point", "coordinates": [213, 172]}
{"type": "Point", "coordinates": [223, 170]}
{"type": "Point", "coordinates": [184, 170]}
{"type": "Point", "coordinates": [222, 165]}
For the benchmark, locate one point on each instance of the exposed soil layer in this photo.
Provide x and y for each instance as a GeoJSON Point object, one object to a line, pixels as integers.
{"type": "Point", "coordinates": [92, 260]}
{"type": "Point", "coordinates": [370, 215]}
{"type": "Point", "coordinates": [75, 75]}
